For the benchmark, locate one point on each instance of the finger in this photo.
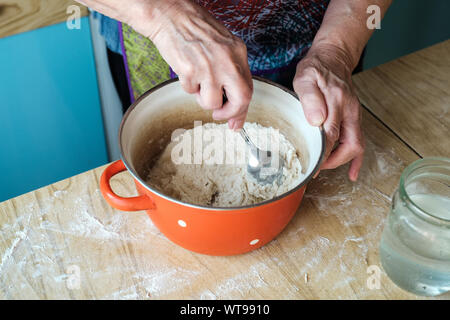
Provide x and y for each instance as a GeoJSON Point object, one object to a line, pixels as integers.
{"type": "Point", "coordinates": [231, 124]}
{"type": "Point", "coordinates": [351, 147]}
{"type": "Point", "coordinates": [332, 128]}
{"type": "Point", "coordinates": [210, 96]}
{"type": "Point", "coordinates": [312, 100]}
{"type": "Point", "coordinates": [189, 85]}
{"type": "Point", "coordinates": [237, 122]}
{"type": "Point", "coordinates": [198, 98]}
{"type": "Point", "coordinates": [239, 96]}
{"type": "Point", "coordinates": [355, 167]}
{"type": "Point", "coordinates": [342, 154]}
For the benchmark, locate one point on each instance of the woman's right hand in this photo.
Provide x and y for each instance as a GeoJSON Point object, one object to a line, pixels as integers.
{"type": "Point", "coordinates": [207, 58]}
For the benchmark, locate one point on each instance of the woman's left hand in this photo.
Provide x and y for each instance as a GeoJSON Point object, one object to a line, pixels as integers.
{"type": "Point", "coordinates": [324, 86]}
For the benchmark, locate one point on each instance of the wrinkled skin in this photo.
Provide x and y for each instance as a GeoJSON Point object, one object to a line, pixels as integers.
{"type": "Point", "coordinates": [324, 86]}
{"type": "Point", "coordinates": [208, 59]}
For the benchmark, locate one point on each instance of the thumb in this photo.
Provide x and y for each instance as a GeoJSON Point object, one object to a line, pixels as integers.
{"type": "Point", "coordinates": [312, 100]}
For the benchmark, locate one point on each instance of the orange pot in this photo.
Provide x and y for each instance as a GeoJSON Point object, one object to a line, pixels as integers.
{"type": "Point", "coordinates": [146, 129]}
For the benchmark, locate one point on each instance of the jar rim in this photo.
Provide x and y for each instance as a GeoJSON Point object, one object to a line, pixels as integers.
{"type": "Point", "coordinates": [420, 212]}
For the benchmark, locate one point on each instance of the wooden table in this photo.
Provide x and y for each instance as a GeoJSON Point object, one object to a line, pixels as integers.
{"type": "Point", "coordinates": [64, 241]}
{"type": "Point", "coordinates": [411, 96]}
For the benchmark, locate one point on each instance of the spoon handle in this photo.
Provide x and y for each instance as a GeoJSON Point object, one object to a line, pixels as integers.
{"type": "Point", "coordinates": [243, 133]}
{"type": "Point", "coordinates": [247, 139]}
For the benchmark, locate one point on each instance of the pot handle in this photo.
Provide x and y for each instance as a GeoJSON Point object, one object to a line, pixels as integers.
{"type": "Point", "coordinates": [141, 202]}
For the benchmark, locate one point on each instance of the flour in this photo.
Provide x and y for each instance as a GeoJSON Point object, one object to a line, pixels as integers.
{"type": "Point", "coordinates": [208, 172]}
{"type": "Point", "coordinates": [243, 283]}
{"type": "Point", "coordinates": [166, 280]}
{"type": "Point", "coordinates": [207, 295]}
{"type": "Point", "coordinates": [314, 250]}
{"type": "Point", "coordinates": [20, 235]}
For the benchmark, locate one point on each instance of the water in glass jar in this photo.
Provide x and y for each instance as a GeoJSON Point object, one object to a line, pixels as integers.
{"type": "Point", "coordinates": [412, 270]}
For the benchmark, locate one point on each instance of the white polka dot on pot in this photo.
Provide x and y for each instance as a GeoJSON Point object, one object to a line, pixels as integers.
{"type": "Point", "coordinates": [254, 241]}
{"type": "Point", "coordinates": [182, 223]}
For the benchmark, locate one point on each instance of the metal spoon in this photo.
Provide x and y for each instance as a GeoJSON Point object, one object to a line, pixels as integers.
{"type": "Point", "coordinates": [265, 166]}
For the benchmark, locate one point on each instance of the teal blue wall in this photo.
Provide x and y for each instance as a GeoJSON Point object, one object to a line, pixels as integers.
{"type": "Point", "coordinates": [408, 26]}
{"type": "Point", "coordinates": [50, 122]}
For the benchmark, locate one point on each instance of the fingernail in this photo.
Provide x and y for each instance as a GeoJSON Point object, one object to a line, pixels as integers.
{"type": "Point", "coordinates": [354, 177]}
{"type": "Point", "coordinates": [238, 124]}
{"type": "Point", "coordinates": [316, 118]}
{"type": "Point", "coordinates": [317, 173]}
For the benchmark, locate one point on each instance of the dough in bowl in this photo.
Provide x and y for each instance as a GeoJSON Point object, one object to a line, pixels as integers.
{"type": "Point", "coordinates": [207, 166]}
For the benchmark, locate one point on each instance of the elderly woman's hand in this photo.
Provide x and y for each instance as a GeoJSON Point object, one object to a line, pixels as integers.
{"type": "Point", "coordinates": [324, 86]}
{"type": "Point", "coordinates": [208, 58]}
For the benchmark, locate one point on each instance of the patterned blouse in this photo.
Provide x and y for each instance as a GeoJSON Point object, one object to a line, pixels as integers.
{"type": "Point", "coordinates": [276, 32]}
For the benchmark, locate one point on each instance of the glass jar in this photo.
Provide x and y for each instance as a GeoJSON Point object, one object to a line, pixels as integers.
{"type": "Point", "coordinates": [415, 245]}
